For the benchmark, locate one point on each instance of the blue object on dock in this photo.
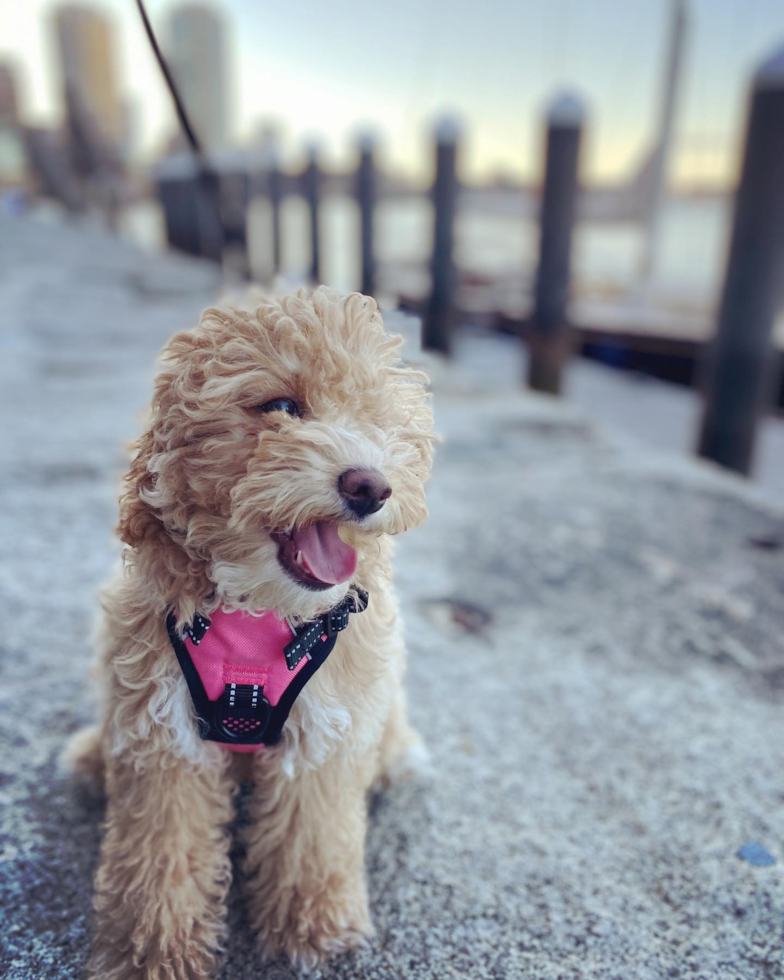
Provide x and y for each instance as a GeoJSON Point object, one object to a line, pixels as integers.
{"type": "Point", "coordinates": [756, 854]}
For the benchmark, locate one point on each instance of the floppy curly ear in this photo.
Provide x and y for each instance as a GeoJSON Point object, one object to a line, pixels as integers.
{"type": "Point", "coordinates": [176, 577]}
{"type": "Point", "coordinates": [138, 521]}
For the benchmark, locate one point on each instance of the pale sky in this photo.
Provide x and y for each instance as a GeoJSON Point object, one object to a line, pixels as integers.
{"type": "Point", "coordinates": [327, 69]}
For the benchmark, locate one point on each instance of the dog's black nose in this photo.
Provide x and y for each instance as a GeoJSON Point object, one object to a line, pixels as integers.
{"type": "Point", "coordinates": [364, 491]}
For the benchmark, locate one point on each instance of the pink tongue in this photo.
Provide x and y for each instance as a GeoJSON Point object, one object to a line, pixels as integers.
{"type": "Point", "coordinates": [328, 558]}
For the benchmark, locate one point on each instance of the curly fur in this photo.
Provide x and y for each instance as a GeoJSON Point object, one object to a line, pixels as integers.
{"type": "Point", "coordinates": [210, 481]}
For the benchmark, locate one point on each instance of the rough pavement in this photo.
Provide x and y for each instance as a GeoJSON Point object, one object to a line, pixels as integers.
{"type": "Point", "coordinates": [597, 664]}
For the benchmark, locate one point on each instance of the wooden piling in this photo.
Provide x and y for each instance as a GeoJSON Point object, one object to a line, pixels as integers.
{"type": "Point", "coordinates": [366, 201]}
{"type": "Point", "coordinates": [190, 197]}
{"type": "Point", "coordinates": [548, 336]}
{"type": "Point", "coordinates": [179, 200]}
{"type": "Point", "coordinates": [312, 193]}
{"type": "Point", "coordinates": [438, 320]}
{"type": "Point", "coordinates": [275, 197]}
{"type": "Point", "coordinates": [741, 363]}
{"type": "Point", "coordinates": [234, 201]}
{"type": "Point", "coordinates": [211, 231]}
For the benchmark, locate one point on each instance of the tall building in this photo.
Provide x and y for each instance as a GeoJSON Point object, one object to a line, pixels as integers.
{"type": "Point", "coordinates": [88, 69]}
{"type": "Point", "coordinates": [13, 162]}
{"type": "Point", "coordinates": [197, 56]}
{"type": "Point", "coordinates": [9, 112]}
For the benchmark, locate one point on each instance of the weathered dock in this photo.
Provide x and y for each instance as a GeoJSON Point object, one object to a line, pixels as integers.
{"type": "Point", "coordinates": [596, 664]}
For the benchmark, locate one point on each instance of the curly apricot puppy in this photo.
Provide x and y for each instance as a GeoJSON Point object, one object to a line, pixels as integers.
{"type": "Point", "coordinates": [285, 445]}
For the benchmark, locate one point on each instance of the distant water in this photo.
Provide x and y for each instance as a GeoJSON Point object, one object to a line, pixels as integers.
{"type": "Point", "coordinates": [490, 243]}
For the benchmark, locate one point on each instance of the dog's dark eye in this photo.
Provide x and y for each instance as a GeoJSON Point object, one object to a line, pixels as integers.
{"type": "Point", "coordinates": [287, 405]}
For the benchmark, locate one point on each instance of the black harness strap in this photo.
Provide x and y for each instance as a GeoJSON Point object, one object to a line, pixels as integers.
{"type": "Point", "coordinates": [242, 715]}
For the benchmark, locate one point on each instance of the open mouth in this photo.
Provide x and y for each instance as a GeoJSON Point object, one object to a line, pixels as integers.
{"type": "Point", "coordinates": [315, 556]}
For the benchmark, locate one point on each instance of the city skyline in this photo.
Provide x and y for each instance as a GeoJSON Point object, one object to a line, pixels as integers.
{"type": "Point", "coordinates": [327, 73]}
{"type": "Point", "coordinates": [86, 67]}
{"type": "Point", "coordinates": [193, 39]}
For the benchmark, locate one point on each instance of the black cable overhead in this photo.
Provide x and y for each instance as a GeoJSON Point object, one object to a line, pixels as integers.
{"type": "Point", "coordinates": [179, 105]}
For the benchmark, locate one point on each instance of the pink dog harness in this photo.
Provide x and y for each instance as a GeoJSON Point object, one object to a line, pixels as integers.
{"type": "Point", "coordinates": [245, 672]}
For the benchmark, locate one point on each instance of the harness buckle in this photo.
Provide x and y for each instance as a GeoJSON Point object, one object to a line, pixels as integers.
{"type": "Point", "coordinates": [242, 713]}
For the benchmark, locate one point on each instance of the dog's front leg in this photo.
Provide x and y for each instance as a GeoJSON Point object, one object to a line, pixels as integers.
{"type": "Point", "coordinates": [306, 857]}
{"type": "Point", "coordinates": [164, 872]}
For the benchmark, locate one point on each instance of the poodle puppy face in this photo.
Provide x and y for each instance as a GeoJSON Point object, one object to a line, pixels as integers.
{"type": "Point", "coordinates": [283, 442]}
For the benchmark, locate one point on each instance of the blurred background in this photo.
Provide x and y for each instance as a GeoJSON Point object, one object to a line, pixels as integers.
{"type": "Point", "coordinates": [574, 211]}
{"type": "Point", "coordinates": [320, 127]}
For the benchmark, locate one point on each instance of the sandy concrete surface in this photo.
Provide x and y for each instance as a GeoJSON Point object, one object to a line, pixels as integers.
{"type": "Point", "coordinates": [597, 664]}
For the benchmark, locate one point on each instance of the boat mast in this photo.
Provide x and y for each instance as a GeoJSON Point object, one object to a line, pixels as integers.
{"type": "Point", "coordinates": [660, 157]}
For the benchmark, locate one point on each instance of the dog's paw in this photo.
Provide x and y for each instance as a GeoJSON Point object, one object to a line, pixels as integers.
{"type": "Point", "coordinates": [320, 930]}
{"type": "Point", "coordinates": [412, 764]}
{"type": "Point", "coordinates": [83, 758]}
